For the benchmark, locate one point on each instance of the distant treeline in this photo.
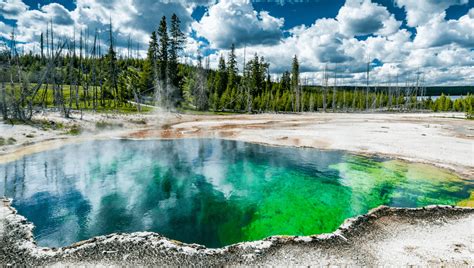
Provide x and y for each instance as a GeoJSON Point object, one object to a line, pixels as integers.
{"type": "Point", "coordinates": [452, 91]}
{"type": "Point", "coordinates": [75, 74]}
{"type": "Point", "coordinates": [429, 91]}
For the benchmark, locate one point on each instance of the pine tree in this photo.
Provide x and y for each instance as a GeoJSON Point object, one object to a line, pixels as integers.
{"type": "Point", "coordinates": [225, 99]}
{"type": "Point", "coordinates": [163, 48]}
{"type": "Point", "coordinates": [152, 48]}
{"type": "Point", "coordinates": [111, 63]}
{"type": "Point", "coordinates": [255, 69]}
{"type": "Point", "coordinates": [176, 43]}
{"type": "Point", "coordinates": [232, 68]}
{"type": "Point", "coordinates": [447, 104]}
{"type": "Point", "coordinates": [221, 77]}
{"type": "Point", "coordinates": [214, 101]}
{"type": "Point", "coordinates": [149, 74]}
{"type": "Point", "coordinates": [162, 57]}
{"type": "Point", "coordinates": [285, 83]}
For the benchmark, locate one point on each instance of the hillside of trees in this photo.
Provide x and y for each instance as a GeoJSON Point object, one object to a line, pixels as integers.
{"type": "Point", "coordinates": [80, 74]}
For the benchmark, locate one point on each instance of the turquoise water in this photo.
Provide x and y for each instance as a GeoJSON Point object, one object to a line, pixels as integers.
{"type": "Point", "coordinates": [210, 191]}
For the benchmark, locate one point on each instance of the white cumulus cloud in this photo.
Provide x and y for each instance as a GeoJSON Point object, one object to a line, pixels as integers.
{"type": "Point", "coordinates": [443, 49]}
{"type": "Point", "coordinates": [439, 32]}
{"type": "Point", "coordinates": [362, 17]}
{"type": "Point", "coordinates": [235, 21]}
{"type": "Point", "coordinates": [10, 9]}
{"type": "Point", "coordinates": [419, 12]}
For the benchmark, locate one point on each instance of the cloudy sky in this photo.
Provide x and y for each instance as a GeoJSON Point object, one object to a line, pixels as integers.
{"type": "Point", "coordinates": [400, 38]}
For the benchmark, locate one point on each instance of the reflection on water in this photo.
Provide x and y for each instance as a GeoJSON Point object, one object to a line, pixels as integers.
{"type": "Point", "coordinates": [209, 191]}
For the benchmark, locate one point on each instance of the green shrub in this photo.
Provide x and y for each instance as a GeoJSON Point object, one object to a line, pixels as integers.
{"type": "Point", "coordinates": [107, 125]}
{"type": "Point", "coordinates": [74, 130]}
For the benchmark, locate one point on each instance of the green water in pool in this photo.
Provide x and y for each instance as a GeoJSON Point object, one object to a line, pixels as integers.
{"type": "Point", "coordinates": [210, 191]}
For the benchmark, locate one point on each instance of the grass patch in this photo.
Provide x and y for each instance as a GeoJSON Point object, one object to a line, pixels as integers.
{"type": "Point", "coordinates": [47, 124]}
{"type": "Point", "coordinates": [138, 121]}
{"type": "Point", "coordinates": [85, 100]}
{"type": "Point", "coordinates": [196, 112]}
{"type": "Point", "coordinates": [12, 122]}
{"type": "Point", "coordinates": [125, 109]}
{"type": "Point", "coordinates": [74, 130]}
{"type": "Point", "coordinates": [107, 125]}
{"type": "Point", "coordinates": [9, 141]}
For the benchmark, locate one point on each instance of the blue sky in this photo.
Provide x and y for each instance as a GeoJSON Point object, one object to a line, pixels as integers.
{"type": "Point", "coordinates": [400, 37]}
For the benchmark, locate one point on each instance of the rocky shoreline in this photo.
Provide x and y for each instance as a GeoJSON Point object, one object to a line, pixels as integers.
{"type": "Point", "coordinates": [349, 244]}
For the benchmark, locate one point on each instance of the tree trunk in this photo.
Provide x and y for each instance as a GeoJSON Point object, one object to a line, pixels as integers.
{"type": "Point", "coordinates": [4, 101]}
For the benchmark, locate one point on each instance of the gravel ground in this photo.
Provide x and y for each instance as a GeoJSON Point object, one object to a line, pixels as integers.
{"type": "Point", "coordinates": [430, 236]}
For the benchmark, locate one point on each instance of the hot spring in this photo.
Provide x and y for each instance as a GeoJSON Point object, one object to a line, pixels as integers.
{"type": "Point", "coordinates": [210, 191]}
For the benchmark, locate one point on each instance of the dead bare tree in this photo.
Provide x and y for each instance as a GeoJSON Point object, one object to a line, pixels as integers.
{"type": "Point", "coordinates": [201, 89]}
{"type": "Point", "coordinates": [4, 54]}
{"type": "Point", "coordinates": [390, 93]}
{"type": "Point", "coordinates": [396, 93]}
{"type": "Point", "coordinates": [354, 97]}
{"type": "Point", "coordinates": [311, 103]}
{"type": "Point", "coordinates": [343, 97]}
{"type": "Point", "coordinates": [245, 85]}
{"type": "Point", "coordinates": [94, 72]}
{"type": "Point", "coordinates": [325, 87]}
{"type": "Point", "coordinates": [407, 95]}
{"type": "Point", "coordinates": [334, 90]}
{"type": "Point", "coordinates": [71, 56]}
{"type": "Point", "coordinates": [3, 104]}
{"type": "Point", "coordinates": [423, 90]}
{"type": "Point", "coordinates": [367, 86]}
{"type": "Point", "coordinates": [416, 88]}
{"type": "Point", "coordinates": [18, 103]}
